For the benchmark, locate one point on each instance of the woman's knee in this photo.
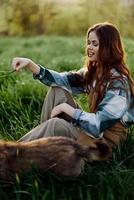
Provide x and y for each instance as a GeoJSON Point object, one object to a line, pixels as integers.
{"type": "Point", "coordinates": [60, 127]}
{"type": "Point", "coordinates": [55, 89]}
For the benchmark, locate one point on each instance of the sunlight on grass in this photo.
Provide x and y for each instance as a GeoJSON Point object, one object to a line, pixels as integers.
{"type": "Point", "coordinates": [21, 101]}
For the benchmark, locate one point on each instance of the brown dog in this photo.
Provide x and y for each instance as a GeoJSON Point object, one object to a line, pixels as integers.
{"type": "Point", "coordinates": [62, 155]}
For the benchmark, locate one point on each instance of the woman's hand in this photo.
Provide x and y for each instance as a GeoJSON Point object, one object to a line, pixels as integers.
{"type": "Point", "coordinates": [64, 107]}
{"type": "Point", "coordinates": [18, 63]}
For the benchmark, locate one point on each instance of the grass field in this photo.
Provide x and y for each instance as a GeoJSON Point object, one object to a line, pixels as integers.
{"type": "Point", "coordinates": [21, 100]}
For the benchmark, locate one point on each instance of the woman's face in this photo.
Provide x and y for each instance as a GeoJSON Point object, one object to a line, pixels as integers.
{"type": "Point", "coordinates": [92, 46]}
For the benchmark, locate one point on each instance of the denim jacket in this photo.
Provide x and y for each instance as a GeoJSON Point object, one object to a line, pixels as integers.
{"type": "Point", "coordinates": [114, 107]}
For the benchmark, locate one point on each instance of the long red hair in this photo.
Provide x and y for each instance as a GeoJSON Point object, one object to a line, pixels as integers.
{"type": "Point", "coordinates": [110, 55]}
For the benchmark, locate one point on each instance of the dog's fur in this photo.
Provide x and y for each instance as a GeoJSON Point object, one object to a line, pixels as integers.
{"type": "Point", "coordinates": [62, 155]}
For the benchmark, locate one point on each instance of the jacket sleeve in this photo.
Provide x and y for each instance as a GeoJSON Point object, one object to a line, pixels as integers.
{"type": "Point", "coordinates": [110, 110]}
{"type": "Point", "coordinates": [73, 82]}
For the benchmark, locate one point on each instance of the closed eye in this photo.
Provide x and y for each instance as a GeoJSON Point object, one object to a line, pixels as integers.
{"type": "Point", "coordinates": [94, 42]}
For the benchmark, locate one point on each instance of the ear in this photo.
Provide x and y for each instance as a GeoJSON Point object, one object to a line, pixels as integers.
{"type": "Point", "coordinates": [104, 149]}
{"type": "Point", "coordinates": [101, 152]}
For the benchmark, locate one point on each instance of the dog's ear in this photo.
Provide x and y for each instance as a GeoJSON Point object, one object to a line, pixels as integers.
{"type": "Point", "coordinates": [104, 149]}
{"type": "Point", "coordinates": [101, 152]}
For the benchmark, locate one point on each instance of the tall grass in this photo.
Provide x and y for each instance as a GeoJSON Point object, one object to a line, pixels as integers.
{"type": "Point", "coordinates": [20, 106]}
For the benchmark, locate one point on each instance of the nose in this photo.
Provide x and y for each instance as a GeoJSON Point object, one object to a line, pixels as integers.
{"type": "Point", "coordinates": [90, 46]}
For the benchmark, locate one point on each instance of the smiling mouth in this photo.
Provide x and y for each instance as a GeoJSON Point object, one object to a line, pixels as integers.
{"type": "Point", "coordinates": [90, 54]}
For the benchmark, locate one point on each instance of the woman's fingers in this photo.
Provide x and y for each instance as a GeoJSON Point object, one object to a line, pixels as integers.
{"type": "Point", "coordinates": [18, 63]}
{"type": "Point", "coordinates": [15, 64]}
{"type": "Point", "coordinates": [56, 111]}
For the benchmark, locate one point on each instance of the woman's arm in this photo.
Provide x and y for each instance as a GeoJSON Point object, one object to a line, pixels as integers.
{"type": "Point", "coordinates": [19, 63]}
{"type": "Point", "coordinates": [63, 107]}
{"type": "Point", "coordinates": [70, 81]}
{"type": "Point", "coordinates": [110, 110]}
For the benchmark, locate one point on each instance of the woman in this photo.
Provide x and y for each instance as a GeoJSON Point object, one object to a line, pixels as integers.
{"type": "Point", "coordinates": [105, 79]}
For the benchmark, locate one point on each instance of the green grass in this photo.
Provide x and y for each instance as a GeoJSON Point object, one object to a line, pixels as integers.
{"type": "Point", "coordinates": [21, 100]}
